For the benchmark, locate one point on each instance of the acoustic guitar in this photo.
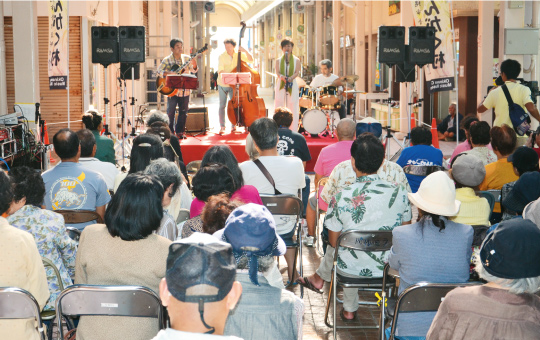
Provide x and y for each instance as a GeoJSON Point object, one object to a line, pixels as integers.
{"type": "Point", "coordinates": [160, 81]}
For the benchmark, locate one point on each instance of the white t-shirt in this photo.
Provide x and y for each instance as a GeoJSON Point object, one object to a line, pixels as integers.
{"type": "Point", "coordinates": [496, 99]}
{"type": "Point", "coordinates": [106, 169]}
{"type": "Point", "coordinates": [288, 175]}
{"type": "Point", "coordinates": [172, 334]}
{"type": "Point", "coordinates": [321, 80]}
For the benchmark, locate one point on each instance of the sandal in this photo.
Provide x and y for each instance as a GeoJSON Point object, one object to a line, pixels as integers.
{"type": "Point", "coordinates": [307, 284]}
{"type": "Point", "coordinates": [344, 319]}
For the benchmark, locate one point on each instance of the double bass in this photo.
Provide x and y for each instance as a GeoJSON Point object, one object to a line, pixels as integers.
{"type": "Point", "coordinates": [246, 106]}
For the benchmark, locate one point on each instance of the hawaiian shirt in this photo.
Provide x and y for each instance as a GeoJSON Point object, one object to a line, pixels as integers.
{"type": "Point", "coordinates": [370, 203]}
{"type": "Point", "coordinates": [343, 175]}
{"type": "Point", "coordinates": [53, 243]}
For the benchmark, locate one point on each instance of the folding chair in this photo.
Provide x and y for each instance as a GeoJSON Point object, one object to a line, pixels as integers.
{"type": "Point", "coordinates": [374, 240]}
{"type": "Point", "coordinates": [79, 216]}
{"type": "Point", "coordinates": [134, 301]}
{"type": "Point", "coordinates": [420, 297]}
{"type": "Point", "coordinates": [50, 315]}
{"type": "Point", "coordinates": [491, 198]}
{"type": "Point", "coordinates": [318, 237]}
{"type": "Point", "coordinates": [192, 168]}
{"type": "Point", "coordinates": [422, 170]}
{"type": "Point", "coordinates": [17, 303]}
{"type": "Point", "coordinates": [286, 204]}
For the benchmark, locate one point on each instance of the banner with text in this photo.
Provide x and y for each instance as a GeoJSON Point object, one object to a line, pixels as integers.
{"type": "Point", "coordinates": [440, 74]}
{"type": "Point", "coordinates": [58, 44]}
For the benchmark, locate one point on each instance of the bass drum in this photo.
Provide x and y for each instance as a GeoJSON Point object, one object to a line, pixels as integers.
{"type": "Point", "coordinates": [314, 121]}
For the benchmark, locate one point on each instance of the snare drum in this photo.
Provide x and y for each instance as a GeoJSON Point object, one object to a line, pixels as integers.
{"type": "Point", "coordinates": [329, 95]}
{"type": "Point", "coordinates": [306, 96]}
{"type": "Point", "coordinates": [314, 121]}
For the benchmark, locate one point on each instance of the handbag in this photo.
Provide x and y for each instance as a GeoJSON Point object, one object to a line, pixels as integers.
{"type": "Point", "coordinates": [520, 119]}
{"type": "Point", "coordinates": [267, 175]}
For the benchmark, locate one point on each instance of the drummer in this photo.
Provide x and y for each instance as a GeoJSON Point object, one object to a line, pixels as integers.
{"type": "Point", "coordinates": [325, 78]}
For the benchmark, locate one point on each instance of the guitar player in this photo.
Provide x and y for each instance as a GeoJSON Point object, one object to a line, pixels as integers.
{"type": "Point", "coordinates": [181, 99]}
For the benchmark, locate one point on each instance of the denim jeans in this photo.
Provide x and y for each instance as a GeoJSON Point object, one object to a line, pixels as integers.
{"type": "Point", "coordinates": [182, 103]}
{"type": "Point", "coordinates": [305, 195]}
{"type": "Point", "coordinates": [225, 94]}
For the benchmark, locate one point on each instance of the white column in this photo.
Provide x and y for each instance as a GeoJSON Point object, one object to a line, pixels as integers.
{"type": "Point", "coordinates": [85, 63]}
{"type": "Point", "coordinates": [371, 48]}
{"type": "Point", "coordinates": [336, 28]}
{"type": "Point", "coordinates": [186, 23]}
{"type": "Point", "coordinates": [25, 51]}
{"type": "Point", "coordinates": [319, 38]}
{"type": "Point", "coordinates": [360, 55]}
{"type": "Point", "coordinates": [485, 54]}
{"type": "Point", "coordinates": [3, 82]}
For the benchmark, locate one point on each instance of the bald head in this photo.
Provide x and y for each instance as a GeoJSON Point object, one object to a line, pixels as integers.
{"type": "Point", "coordinates": [346, 129]}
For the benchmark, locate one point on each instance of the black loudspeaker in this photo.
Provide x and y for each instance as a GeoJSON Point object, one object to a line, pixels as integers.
{"type": "Point", "coordinates": [132, 44]}
{"type": "Point", "coordinates": [104, 45]}
{"type": "Point", "coordinates": [404, 71]}
{"type": "Point", "coordinates": [391, 45]}
{"type": "Point", "coordinates": [197, 119]}
{"type": "Point", "coordinates": [421, 45]}
{"type": "Point", "coordinates": [125, 71]}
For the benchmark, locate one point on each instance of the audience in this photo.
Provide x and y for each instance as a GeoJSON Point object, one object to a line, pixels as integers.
{"type": "Point", "coordinates": [156, 116]}
{"type": "Point", "coordinates": [210, 180]}
{"type": "Point", "coordinates": [525, 190]}
{"type": "Point", "coordinates": [199, 289]}
{"type": "Point", "coordinates": [435, 249]}
{"type": "Point", "coordinates": [284, 174]}
{"type": "Point", "coordinates": [419, 153]}
{"type": "Point", "coordinates": [468, 172]}
{"type": "Point", "coordinates": [329, 157]}
{"type": "Point", "coordinates": [70, 185]}
{"type": "Point", "coordinates": [532, 212]}
{"type": "Point", "coordinates": [264, 311]}
{"type": "Point", "coordinates": [170, 178]}
{"type": "Point", "coordinates": [93, 121]}
{"type": "Point", "coordinates": [222, 154]}
{"type": "Point", "coordinates": [252, 153]}
{"type": "Point", "coordinates": [124, 251]}
{"type": "Point", "coordinates": [480, 139]}
{"type": "Point", "coordinates": [146, 147]}
{"type": "Point", "coordinates": [503, 141]}
{"type": "Point", "coordinates": [216, 211]}
{"type": "Point", "coordinates": [46, 227]}
{"type": "Point", "coordinates": [291, 143]}
{"type": "Point", "coordinates": [465, 145]}
{"type": "Point", "coordinates": [88, 160]}
{"type": "Point", "coordinates": [359, 207]}
{"type": "Point", "coordinates": [524, 160]}
{"type": "Point", "coordinates": [20, 267]}
{"type": "Point", "coordinates": [506, 307]}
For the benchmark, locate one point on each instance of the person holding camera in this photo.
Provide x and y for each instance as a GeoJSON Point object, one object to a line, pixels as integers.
{"type": "Point", "coordinates": [521, 95]}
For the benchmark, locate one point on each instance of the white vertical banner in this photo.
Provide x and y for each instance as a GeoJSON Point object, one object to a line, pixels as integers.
{"type": "Point", "coordinates": [58, 44]}
{"type": "Point", "coordinates": [436, 14]}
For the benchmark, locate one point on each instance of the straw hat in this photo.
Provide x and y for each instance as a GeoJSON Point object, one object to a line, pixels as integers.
{"type": "Point", "coordinates": [436, 195]}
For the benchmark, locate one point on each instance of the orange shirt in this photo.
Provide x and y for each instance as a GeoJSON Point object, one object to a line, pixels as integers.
{"type": "Point", "coordinates": [498, 174]}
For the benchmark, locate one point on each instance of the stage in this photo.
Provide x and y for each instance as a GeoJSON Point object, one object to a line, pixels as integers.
{"type": "Point", "coordinates": [193, 148]}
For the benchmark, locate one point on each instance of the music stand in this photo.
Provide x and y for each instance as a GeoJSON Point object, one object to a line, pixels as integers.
{"type": "Point", "coordinates": [236, 79]}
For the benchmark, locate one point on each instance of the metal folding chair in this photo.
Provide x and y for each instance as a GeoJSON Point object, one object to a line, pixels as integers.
{"type": "Point", "coordinates": [17, 303]}
{"type": "Point", "coordinates": [286, 204]}
{"type": "Point", "coordinates": [421, 297]}
{"type": "Point", "coordinates": [192, 168]}
{"type": "Point", "coordinates": [134, 301]}
{"type": "Point", "coordinates": [50, 315]}
{"type": "Point", "coordinates": [318, 237]}
{"type": "Point", "coordinates": [375, 240]}
{"type": "Point", "coordinates": [422, 170]}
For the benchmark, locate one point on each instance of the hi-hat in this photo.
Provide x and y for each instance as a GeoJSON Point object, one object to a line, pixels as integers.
{"type": "Point", "coordinates": [346, 79]}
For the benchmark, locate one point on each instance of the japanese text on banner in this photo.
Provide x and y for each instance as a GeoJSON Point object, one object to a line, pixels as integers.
{"type": "Point", "coordinates": [58, 44]}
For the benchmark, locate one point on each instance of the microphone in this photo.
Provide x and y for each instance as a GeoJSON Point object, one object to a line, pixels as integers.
{"type": "Point", "coordinates": [286, 57]}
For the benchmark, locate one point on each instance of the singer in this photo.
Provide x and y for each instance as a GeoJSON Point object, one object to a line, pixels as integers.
{"type": "Point", "coordinates": [287, 69]}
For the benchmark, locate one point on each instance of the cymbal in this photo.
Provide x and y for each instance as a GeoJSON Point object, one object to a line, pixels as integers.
{"type": "Point", "coordinates": [345, 79]}
{"type": "Point", "coordinates": [301, 82]}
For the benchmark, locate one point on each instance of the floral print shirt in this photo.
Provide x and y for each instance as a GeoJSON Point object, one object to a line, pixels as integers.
{"type": "Point", "coordinates": [370, 203]}
{"type": "Point", "coordinates": [53, 243]}
{"type": "Point", "coordinates": [343, 175]}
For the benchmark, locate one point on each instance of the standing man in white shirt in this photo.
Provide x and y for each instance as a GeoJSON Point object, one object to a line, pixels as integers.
{"type": "Point", "coordinates": [227, 62]}
{"type": "Point", "coordinates": [182, 96]}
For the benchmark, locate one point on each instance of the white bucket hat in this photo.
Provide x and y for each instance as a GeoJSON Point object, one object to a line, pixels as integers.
{"type": "Point", "coordinates": [436, 195]}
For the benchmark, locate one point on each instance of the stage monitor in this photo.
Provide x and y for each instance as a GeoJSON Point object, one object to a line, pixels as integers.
{"type": "Point", "coordinates": [391, 45]}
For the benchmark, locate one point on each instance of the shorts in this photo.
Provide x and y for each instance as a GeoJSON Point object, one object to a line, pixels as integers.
{"type": "Point", "coordinates": [288, 238]}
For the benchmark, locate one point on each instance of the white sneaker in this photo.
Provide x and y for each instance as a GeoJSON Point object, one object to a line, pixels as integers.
{"type": "Point", "coordinates": [309, 241]}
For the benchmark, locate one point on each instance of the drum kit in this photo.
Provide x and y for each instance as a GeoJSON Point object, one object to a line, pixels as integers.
{"type": "Point", "coordinates": [322, 105]}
